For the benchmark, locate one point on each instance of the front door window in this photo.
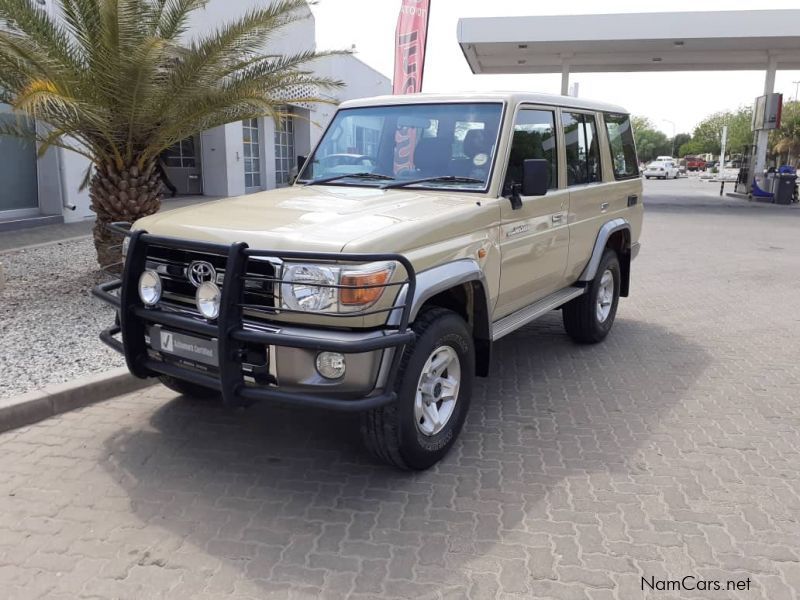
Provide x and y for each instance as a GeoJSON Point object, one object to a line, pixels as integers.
{"type": "Point", "coordinates": [252, 155]}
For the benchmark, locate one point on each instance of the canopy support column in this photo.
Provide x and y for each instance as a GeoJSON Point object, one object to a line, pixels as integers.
{"type": "Point", "coordinates": [762, 136]}
{"type": "Point", "coordinates": [564, 78]}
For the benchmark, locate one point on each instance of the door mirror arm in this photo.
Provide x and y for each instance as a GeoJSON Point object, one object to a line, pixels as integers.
{"type": "Point", "coordinates": [514, 194]}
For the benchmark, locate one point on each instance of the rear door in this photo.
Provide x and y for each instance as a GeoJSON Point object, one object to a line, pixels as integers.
{"type": "Point", "coordinates": [534, 239]}
{"type": "Point", "coordinates": [590, 192]}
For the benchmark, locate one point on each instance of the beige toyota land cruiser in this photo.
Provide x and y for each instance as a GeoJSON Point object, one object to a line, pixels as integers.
{"type": "Point", "coordinates": [420, 231]}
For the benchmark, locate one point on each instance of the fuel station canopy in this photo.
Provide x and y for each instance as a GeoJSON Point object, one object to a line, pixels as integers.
{"type": "Point", "coordinates": [742, 40]}
{"type": "Point", "coordinates": [665, 41]}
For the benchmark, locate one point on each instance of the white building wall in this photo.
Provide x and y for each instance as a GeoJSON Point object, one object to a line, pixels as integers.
{"type": "Point", "coordinates": [73, 171]}
{"type": "Point", "coordinates": [361, 81]}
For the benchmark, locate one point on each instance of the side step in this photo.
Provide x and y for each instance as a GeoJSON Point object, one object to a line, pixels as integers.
{"type": "Point", "coordinates": [533, 311]}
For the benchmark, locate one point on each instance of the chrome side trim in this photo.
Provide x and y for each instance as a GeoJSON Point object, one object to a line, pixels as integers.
{"type": "Point", "coordinates": [602, 239]}
{"type": "Point", "coordinates": [533, 311]}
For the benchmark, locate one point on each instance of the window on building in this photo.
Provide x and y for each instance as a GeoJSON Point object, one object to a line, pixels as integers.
{"type": "Point", "coordinates": [252, 154]}
{"type": "Point", "coordinates": [182, 154]}
{"type": "Point", "coordinates": [583, 151]}
{"type": "Point", "coordinates": [284, 148]}
{"type": "Point", "coordinates": [367, 140]}
{"type": "Point", "coordinates": [534, 137]}
{"type": "Point", "coordinates": [623, 149]}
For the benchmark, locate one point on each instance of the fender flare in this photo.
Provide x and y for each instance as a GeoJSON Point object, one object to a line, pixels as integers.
{"type": "Point", "coordinates": [606, 231]}
{"type": "Point", "coordinates": [443, 277]}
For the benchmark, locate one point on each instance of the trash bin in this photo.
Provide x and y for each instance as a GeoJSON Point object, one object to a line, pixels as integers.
{"type": "Point", "coordinates": [784, 188]}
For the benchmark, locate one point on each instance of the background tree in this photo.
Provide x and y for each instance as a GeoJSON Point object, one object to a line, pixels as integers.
{"type": "Point", "coordinates": [785, 141]}
{"type": "Point", "coordinates": [650, 142]}
{"type": "Point", "coordinates": [118, 82]}
{"type": "Point", "coordinates": [707, 136]}
{"type": "Point", "coordinates": [680, 140]}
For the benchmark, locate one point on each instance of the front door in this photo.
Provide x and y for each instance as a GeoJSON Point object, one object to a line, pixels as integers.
{"type": "Point", "coordinates": [534, 240]}
{"type": "Point", "coordinates": [182, 167]}
{"type": "Point", "coordinates": [252, 156]}
{"type": "Point", "coordinates": [285, 159]}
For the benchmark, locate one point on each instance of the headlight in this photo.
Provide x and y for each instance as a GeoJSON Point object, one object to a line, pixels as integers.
{"type": "Point", "coordinates": [208, 298]}
{"type": "Point", "coordinates": [150, 287]}
{"type": "Point", "coordinates": [313, 288]}
{"type": "Point", "coordinates": [304, 288]}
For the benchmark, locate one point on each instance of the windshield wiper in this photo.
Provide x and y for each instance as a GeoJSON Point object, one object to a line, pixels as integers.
{"type": "Point", "coordinates": [442, 178]}
{"type": "Point", "coordinates": [365, 175]}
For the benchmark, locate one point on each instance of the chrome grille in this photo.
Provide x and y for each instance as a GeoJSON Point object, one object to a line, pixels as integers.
{"type": "Point", "coordinates": [173, 267]}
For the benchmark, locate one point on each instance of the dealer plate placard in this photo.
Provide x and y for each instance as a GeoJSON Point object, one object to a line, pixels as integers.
{"type": "Point", "coordinates": [186, 346]}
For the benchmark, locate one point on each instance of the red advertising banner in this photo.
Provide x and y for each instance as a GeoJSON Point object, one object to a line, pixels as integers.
{"type": "Point", "coordinates": [409, 64]}
{"type": "Point", "coordinates": [409, 54]}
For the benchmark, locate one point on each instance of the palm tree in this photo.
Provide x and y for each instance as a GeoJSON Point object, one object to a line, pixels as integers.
{"type": "Point", "coordinates": [120, 81]}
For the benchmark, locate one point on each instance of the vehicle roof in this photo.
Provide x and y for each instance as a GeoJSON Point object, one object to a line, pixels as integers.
{"type": "Point", "coordinates": [512, 98]}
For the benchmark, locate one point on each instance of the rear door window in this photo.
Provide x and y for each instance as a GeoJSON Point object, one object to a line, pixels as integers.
{"type": "Point", "coordinates": [582, 146]}
{"type": "Point", "coordinates": [623, 149]}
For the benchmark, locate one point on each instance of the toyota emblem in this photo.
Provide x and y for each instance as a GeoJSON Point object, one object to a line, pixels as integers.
{"type": "Point", "coordinates": [200, 272]}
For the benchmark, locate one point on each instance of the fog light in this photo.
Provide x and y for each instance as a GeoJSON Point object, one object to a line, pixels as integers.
{"type": "Point", "coordinates": [150, 287]}
{"type": "Point", "coordinates": [208, 299]}
{"type": "Point", "coordinates": [330, 365]}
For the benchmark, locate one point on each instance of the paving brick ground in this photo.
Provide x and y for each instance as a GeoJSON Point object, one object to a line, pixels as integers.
{"type": "Point", "coordinates": [671, 450]}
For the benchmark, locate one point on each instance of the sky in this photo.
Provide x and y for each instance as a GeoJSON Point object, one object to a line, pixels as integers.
{"type": "Point", "coordinates": [682, 98]}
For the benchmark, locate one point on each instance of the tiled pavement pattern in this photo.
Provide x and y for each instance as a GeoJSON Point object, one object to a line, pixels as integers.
{"type": "Point", "coordinates": [672, 449]}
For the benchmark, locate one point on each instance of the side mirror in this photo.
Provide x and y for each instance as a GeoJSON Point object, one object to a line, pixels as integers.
{"type": "Point", "coordinates": [535, 177]}
{"type": "Point", "coordinates": [301, 161]}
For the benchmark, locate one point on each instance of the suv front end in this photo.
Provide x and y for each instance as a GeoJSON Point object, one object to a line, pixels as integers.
{"type": "Point", "coordinates": [236, 334]}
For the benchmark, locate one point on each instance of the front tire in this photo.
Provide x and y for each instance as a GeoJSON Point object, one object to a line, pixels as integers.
{"type": "Point", "coordinates": [188, 389]}
{"type": "Point", "coordinates": [589, 318]}
{"type": "Point", "coordinates": [434, 388]}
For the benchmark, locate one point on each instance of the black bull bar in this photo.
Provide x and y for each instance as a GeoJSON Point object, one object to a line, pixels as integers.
{"type": "Point", "coordinates": [229, 328]}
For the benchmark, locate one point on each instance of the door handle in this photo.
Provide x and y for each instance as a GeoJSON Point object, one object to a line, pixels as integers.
{"type": "Point", "coordinates": [557, 218]}
{"type": "Point", "coordinates": [604, 207]}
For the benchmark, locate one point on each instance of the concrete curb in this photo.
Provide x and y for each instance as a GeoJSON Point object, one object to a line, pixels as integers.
{"type": "Point", "coordinates": [56, 399]}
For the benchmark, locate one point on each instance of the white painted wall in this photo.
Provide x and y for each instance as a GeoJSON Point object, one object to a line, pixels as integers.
{"type": "Point", "coordinates": [361, 81]}
{"type": "Point", "coordinates": [73, 171]}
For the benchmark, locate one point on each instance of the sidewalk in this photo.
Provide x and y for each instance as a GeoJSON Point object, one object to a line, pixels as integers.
{"type": "Point", "coordinates": [13, 240]}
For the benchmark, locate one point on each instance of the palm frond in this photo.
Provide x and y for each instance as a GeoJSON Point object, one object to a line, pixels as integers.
{"type": "Point", "coordinates": [119, 81]}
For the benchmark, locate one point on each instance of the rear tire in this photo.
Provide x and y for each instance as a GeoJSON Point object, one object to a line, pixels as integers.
{"type": "Point", "coordinates": [589, 318]}
{"type": "Point", "coordinates": [188, 389]}
{"type": "Point", "coordinates": [434, 388]}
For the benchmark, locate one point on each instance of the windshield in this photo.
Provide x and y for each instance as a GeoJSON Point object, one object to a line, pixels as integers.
{"type": "Point", "coordinates": [451, 146]}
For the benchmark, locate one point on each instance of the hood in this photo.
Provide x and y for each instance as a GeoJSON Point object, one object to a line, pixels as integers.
{"type": "Point", "coordinates": [314, 218]}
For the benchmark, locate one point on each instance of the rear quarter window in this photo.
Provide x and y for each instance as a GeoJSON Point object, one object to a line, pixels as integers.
{"type": "Point", "coordinates": [622, 147]}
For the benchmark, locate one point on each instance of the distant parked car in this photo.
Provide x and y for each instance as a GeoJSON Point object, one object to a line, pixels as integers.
{"type": "Point", "coordinates": [345, 163]}
{"type": "Point", "coordinates": [695, 163]}
{"type": "Point", "coordinates": [661, 169]}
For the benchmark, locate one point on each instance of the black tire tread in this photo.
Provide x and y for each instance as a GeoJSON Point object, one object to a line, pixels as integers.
{"type": "Point", "coordinates": [578, 314]}
{"type": "Point", "coordinates": [378, 428]}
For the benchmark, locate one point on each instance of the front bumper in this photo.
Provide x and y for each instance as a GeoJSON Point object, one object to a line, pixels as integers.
{"type": "Point", "coordinates": [376, 354]}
